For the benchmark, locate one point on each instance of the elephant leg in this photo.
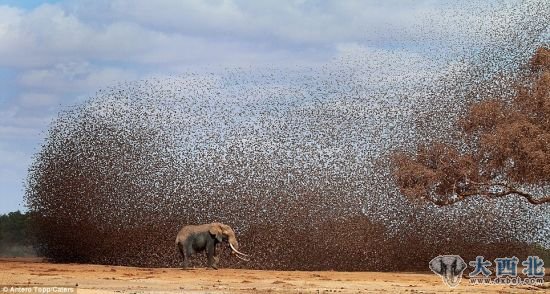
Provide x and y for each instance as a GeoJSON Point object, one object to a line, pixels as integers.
{"type": "Point", "coordinates": [185, 261]}
{"type": "Point", "coordinates": [216, 260]}
{"type": "Point", "coordinates": [184, 255]}
{"type": "Point", "coordinates": [212, 257]}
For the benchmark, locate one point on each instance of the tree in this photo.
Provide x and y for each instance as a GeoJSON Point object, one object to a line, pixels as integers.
{"type": "Point", "coordinates": [15, 239]}
{"type": "Point", "coordinates": [503, 148]}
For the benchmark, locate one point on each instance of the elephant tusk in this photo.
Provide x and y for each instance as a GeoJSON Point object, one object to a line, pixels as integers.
{"type": "Point", "coordinates": [236, 251]}
{"type": "Point", "coordinates": [242, 258]}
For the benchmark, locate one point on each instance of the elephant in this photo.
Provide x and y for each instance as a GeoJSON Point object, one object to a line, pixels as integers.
{"type": "Point", "coordinates": [197, 238]}
{"type": "Point", "coordinates": [449, 268]}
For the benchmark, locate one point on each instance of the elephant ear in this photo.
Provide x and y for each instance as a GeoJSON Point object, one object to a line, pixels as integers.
{"type": "Point", "coordinates": [460, 266]}
{"type": "Point", "coordinates": [436, 265]}
{"type": "Point", "coordinates": [216, 230]}
{"type": "Point", "coordinates": [226, 229]}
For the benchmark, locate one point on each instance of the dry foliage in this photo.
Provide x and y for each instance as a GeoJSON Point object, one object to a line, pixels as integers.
{"type": "Point", "coordinates": [508, 147]}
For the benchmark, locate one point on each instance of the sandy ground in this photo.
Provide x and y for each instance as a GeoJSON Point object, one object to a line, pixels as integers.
{"type": "Point", "coordinates": [116, 279]}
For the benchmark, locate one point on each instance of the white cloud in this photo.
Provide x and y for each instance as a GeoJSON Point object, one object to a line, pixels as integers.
{"type": "Point", "coordinates": [19, 123]}
{"type": "Point", "coordinates": [13, 169]}
{"type": "Point", "coordinates": [37, 99]}
{"type": "Point", "coordinates": [13, 164]}
{"type": "Point", "coordinates": [39, 37]}
{"type": "Point", "coordinates": [73, 77]}
{"type": "Point", "coordinates": [8, 132]}
{"type": "Point", "coordinates": [10, 17]}
{"type": "Point", "coordinates": [281, 21]}
{"type": "Point", "coordinates": [211, 32]}
{"type": "Point", "coordinates": [157, 33]}
{"type": "Point", "coordinates": [52, 36]}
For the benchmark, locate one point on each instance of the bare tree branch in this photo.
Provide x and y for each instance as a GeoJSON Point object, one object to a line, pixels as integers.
{"type": "Point", "coordinates": [505, 190]}
{"type": "Point", "coordinates": [487, 190]}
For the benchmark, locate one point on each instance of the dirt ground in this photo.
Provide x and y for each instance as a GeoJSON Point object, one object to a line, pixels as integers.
{"type": "Point", "coordinates": [118, 279]}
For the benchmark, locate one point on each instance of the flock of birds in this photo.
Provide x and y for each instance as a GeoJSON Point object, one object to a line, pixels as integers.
{"type": "Point", "coordinates": [280, 152]}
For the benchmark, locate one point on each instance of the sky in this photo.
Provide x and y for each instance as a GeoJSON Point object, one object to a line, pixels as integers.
{"type": "Point", "coordinates": [55, 54]}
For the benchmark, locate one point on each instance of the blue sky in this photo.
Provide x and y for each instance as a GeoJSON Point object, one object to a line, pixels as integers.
{"type": "Point", "coordinates": [54, 54]}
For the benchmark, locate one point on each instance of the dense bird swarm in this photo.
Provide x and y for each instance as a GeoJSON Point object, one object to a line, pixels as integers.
{"type": "Point", "coordinates": [296, 160]}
